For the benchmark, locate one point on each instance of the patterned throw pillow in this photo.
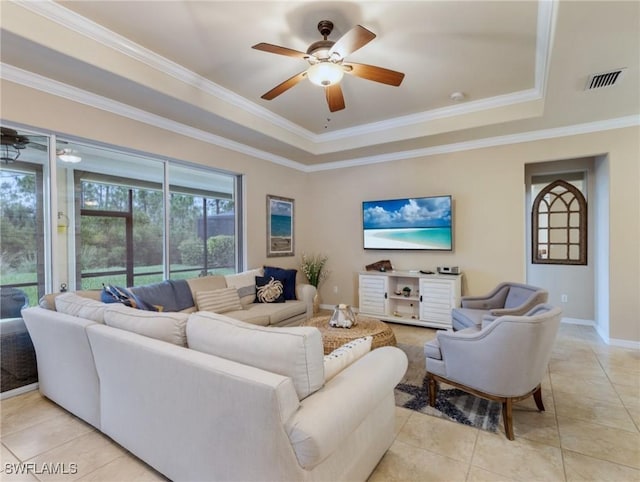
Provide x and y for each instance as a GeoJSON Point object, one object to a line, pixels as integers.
{"type": "Point", "coordinates": [345, 355]}
{"type": "Point", "coordinates": [288, 278]}
{"type": "Point", "coordinates": [218, 301]}
{"type": "Point", "coordinates": [269, 290]}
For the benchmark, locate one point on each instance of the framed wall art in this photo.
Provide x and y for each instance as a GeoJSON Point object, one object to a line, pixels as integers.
{"type": "Point", "coordinates": [280, 237]}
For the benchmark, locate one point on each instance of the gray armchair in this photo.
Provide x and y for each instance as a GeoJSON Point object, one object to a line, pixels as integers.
{"type": "Point", "coordinates": [505, 361]}
{"type": "Point", "coordinates": [505, 299]}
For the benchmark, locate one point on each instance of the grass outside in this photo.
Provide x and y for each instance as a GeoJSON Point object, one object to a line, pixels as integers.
{"type": "Point", "coordinates": [142, 276]}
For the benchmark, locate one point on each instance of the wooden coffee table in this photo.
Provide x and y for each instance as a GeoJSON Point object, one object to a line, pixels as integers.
{"type": "Point", "coordinates": [333, 337]}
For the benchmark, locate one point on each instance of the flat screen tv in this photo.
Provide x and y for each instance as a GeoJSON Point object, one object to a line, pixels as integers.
{"type": "Point", "coordinates": [419, 223]}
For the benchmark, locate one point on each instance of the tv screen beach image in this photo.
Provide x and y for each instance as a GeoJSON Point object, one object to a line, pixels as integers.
{"type": "Point", "coordinates": [411, 223]}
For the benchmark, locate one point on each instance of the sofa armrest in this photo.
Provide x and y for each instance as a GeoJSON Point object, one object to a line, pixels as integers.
{"type": "Point", "coordinates": [306, 292]}
{"type": "Point", "coordinates": [331, 414]}
{"type": "Point", "coordinates": [536, 298]}
{"type": "Point", "coordinates": [493, 299]}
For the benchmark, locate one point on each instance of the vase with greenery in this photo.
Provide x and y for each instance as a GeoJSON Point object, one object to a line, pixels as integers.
{"type": "Point", "coordinates": [313, 267]}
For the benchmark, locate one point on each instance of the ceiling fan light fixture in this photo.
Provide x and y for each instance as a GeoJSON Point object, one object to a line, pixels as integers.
{"type": "Point", "coordinates": [325, 74]}
{"type": "Point", "coordinates": [11, 143]}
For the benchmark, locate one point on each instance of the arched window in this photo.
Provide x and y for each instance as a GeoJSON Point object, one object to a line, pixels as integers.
{"type": "Point", "coordinates": [559, 225]}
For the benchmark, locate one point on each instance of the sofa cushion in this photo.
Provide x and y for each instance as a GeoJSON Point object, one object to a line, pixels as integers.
{"type": "Point", "coordinates": [72, 304]}
{"type": "Point", "coordinates": [269, 290]}
{"type": "Point", "coordinates": [345, 355]}
{"type": "Point", "coordinates": [517, 296]}
{"type": "Point", "coordinates": [165, 326]}
{"type": "Point", "coordinates": [219, 301]}
{"type": "Point", "coordinates": [287, 277]}
{"type": "Point", "coordinates": [432, 349]}
{"type": "Point", "coordinates": [250, 315]}
{"type": "Point", "coordinates": [269, 313]}
{"type": "Point", "coordinates": [294, 352]}
{"type": "Point", "coordinates": [466, 317]}
{"type": "Point", "coordinates": [48, 301]}
{"type": "Point", "coordinates": [245, 283]}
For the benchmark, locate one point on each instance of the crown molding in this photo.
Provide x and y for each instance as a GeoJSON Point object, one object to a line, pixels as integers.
{"type": "Point", "coordinates": [53, 87]}
{"type": "Point", "coordinates": [67, 18]}
{"type": "Point", "coordinates": [577, 129]}
{"type": "Point", "coordinates": [434, 114]}
{"type": "Point", "coordinates": [49, 86]}
{"type": "Point", "coordinates": [94, 31]}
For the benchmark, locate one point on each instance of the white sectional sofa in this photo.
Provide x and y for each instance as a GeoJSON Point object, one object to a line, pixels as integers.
{"type": "Point", "coordinates": [202, 396]}
{"type": "Point", "coordinates": [168, 295]}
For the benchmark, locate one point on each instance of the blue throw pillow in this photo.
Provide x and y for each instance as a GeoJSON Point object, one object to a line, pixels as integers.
{"type": "Point", "coordinates": [269, 290]}
{"type": "Point", "coordinates": [288, 278]}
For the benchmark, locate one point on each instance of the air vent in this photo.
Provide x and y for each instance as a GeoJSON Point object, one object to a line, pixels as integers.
{"type": "Point", "coordinates": [605, 79]}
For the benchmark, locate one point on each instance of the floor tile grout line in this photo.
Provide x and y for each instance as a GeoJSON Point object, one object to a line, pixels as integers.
{"type": "Point", "coordinates": [613, 388]}
{"type": "Point", "coordinates": [93, 429]}
{"type": "Point", "coordinates": [602, 460]}
{"type": "Point", "coordinates": [473, 454]}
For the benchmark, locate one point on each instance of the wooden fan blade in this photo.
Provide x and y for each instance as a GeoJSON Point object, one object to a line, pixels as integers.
{"type": "Point", "coordinates": [276, 49]}
{"type": "Point", "coordinates": [377, 74]}
{"type": "Point", "coordinates": [284, 86]}
{"type": "Point", "coordinates": [351, 41]}
{"type": "Point", "coordinates": [335, 99]}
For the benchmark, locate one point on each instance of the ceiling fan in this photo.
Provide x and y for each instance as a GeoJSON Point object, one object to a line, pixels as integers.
{"type": "Point", "coordinates": [327, 64]}
{"type": "Point", "coordinates": [11, 144]}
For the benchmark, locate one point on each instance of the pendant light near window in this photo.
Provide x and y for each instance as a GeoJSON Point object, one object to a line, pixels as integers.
{"type": "Point", "coordinates": [68, 155]}
{"type": "Point", "coordinates": [11, 144]}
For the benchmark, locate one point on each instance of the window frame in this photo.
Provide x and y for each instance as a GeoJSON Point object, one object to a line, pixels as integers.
{"type": "Point", "coordinates": [541, 198]}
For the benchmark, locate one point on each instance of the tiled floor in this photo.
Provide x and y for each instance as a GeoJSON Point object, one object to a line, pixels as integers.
{"type": "Point", "coordinates": [590, 430]}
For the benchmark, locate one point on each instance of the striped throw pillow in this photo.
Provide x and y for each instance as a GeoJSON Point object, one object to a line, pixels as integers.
{"type": "Point", "coordinates": [218, 301]}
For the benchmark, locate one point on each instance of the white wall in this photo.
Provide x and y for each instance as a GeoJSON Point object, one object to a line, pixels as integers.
{"type": "Point", "coordinates": [601, 246]}
{"type": "Point", "coordinates": [489, 205]}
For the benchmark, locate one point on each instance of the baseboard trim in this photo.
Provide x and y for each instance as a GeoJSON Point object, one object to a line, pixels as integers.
{"type": "Point", "coordinates": [578, 321]}
{"type": "Point", "coordinates": [618, 342]}
{"type": "Point", "coordinates": [19, 391]}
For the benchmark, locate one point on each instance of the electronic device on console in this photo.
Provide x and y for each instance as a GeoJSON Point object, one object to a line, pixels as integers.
{"type": "Point", "coordinates": [448, 270]}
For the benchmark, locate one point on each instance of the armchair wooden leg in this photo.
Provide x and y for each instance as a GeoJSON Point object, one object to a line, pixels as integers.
{"type": "Point", "coordinates": [507, 418]}
{"type": "Point", "coordinates": [433, 391]}
{"type": "Point", "coordinates": [537, 396]}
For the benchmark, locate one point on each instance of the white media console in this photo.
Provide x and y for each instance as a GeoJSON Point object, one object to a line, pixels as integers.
{"type": "Point", "coordinates": [410, 297]}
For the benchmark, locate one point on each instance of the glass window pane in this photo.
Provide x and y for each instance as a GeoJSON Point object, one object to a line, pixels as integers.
{"type": "Point", "coordinates": [558, 251]}
{"type": "Point", "coordinates": [574, 220]}
{"type": "Point", "coordinates": [574, 236]}
{"type": "Point", "coordinates": [115, 206]}
{"type": "Point", "coordinates": [543, 220]}
{"type": "Point", "coordinates": [558, 236]}
{"type": "Point", "coordinates": [23, 174]}
{"type": "Point", "coordinates": [558, 220]}
{"type": "Point", "coordinates": [574, 252]}
{"type": "Point", "coordinates": [202, 222]}
{"type": "Point", "coordinates": [543, 236]}
{"type": "Point", "coordinates": [543, 251]}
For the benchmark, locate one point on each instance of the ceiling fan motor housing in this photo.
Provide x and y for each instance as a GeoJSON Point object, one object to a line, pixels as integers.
{"type": "Point", "coordinates": [320, 49]}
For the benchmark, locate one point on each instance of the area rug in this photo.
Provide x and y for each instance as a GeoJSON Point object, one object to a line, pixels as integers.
{"type": "Point", "coordinates": [451, 403]}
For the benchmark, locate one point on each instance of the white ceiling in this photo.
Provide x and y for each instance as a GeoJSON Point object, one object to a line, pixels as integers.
{"type": "Point", "coordinates": [189, 66]}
